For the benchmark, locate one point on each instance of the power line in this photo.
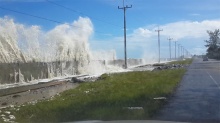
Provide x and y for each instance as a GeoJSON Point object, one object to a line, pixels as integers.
{"type": "Point", "coordinates": [64, 7]}
{"type": "Point", "coordinates": [42, 18]}
{"type": "Point", "coordinates": [81, 13]}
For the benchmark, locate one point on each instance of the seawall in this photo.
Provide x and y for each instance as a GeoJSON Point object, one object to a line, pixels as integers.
{"type": "Point", "coordinates": [26, 72]}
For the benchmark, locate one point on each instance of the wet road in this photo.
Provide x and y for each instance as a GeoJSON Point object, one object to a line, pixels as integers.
{"type": "Point", "coordinates": [197, 99]}
{"type": "Point", "coordinates": [33, 93]}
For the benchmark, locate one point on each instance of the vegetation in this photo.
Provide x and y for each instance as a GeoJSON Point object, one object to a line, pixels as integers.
{"type": "Point", "coordinates": [114, 97]}
{"type": "Point", "coordinates": [183, 62]}
{"type": "Point", "coordinates": [213, 44]}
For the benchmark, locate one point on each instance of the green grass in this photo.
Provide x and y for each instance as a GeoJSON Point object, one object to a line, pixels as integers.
{"type": "Point", "coordinates": [107, 98]}
{"type": "Point", "coordinates": [183, 62]}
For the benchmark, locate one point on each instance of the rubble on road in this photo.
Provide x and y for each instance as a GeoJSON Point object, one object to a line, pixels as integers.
{"type": "Point", "coordinates": [169, 66]}
{"type": "Point", "coordinates": [86, 78]}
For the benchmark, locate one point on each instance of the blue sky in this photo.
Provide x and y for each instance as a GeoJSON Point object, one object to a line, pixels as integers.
{"type": "Point", "coordinates": [186, 21]}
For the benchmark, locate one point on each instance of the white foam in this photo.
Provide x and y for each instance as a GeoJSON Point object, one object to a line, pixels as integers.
{"type": "Point", "coordinates": [65, 42]}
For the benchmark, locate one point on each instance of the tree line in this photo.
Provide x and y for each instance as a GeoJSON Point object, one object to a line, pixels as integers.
{"type": "Point", "coordinates": [213, 44]}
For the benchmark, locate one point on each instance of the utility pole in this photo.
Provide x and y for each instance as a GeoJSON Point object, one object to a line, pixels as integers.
{"type": "Point", "coordinates": [159, 43]}
{"type": "Point", "coordinates": [186, 53]}
{"type": "Point", "coordinates": [125, 50]}
{"type": "Point", "coordinates": [175, 50]}
{"type": "Point", "coordinates": [183, 52]}
{"type": "Point", "coordinates": [170, 46]}
{"type": "Point", "coordinates": [179, 51]}
{"type": "Point", "coordinates": [182, 49]}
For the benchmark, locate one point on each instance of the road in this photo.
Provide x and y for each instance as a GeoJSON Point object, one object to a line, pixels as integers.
{"type": "Point", "coordinates": [31, 93]}
{"type": "Point", "coordinates": [197, 99]}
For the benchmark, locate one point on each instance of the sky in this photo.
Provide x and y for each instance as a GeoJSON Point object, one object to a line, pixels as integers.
{"type": "Point", "coordinates": [185, 21]}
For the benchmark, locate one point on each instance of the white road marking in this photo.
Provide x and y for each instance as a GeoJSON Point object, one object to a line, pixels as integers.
{"type": "Point", "coordinates": [214, 80]}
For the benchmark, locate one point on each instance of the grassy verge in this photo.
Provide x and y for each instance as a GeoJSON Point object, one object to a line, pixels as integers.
{"type": "Point", "coordinates": [183, 62]}
{"type": "Point", "coordinates": [106, 99]}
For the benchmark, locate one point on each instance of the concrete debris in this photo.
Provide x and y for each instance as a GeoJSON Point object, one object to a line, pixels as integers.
{"type": "Point", "coordinates": [7, 112]}
{"type": "Point", "coordinates": [5, 119]}
{"type": "Point", "coordinates": [165, 67]}
{"type": "Point", "coordinates": [134, 108]}
{"type": "Point", "coordinates": [12, 117]}
{"type": "Point", "coordinates": [77, 80]}
{"type": "Point", "coordinates": [16, 96]}
{"type": "Point", "coordinates": [4, 104]}
{"type": "Point", "coordinates": [84, 79]}
{"type": "Point", "coordinates": [12, 106]}
{"type": "Point", "coordinates": [160, 98]}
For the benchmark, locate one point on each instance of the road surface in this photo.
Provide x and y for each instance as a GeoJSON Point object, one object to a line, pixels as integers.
{"type": "Point", "coordinates": [197, 99]}
{"type": "Point", "coordinates": [22, 94]}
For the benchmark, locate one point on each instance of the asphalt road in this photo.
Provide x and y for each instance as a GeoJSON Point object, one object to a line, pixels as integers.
{"type": "Point", "coordinates": [197, 99]}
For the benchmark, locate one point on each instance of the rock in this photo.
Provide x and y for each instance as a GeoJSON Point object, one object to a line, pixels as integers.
{"type": "Point", "coordinates": [134, 108]}
{"type": "Point", "coordinates": [16, 96]}
{"type": "Point", "coordinates": [160, 98]}
{"type": "Point", "coordinates": [7, 112]}
{"type": "Point", "coordinates": [165, 67]}
{"type": "Point", "coordinates": [12, 117]}
{"type": "Point", "coordinates": [76, 80]}
{"type": "Point", "coordinates": [4, 104]}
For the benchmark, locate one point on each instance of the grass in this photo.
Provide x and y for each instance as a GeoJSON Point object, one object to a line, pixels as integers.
{"type": "Point", "coordinates": [183, 62]}
{"type": "Point", "coordinates": [106, 99]}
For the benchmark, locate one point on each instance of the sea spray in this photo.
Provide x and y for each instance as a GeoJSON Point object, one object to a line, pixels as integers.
{"type": "Point", "coordinates": [69, 42]}
{"type": "Point", "coordinates": [64, 49]}
{"type": "Point", "coordinates": [149, 57]}
{"type": "Point", "coordinates": [9, 50]}
{"type": "Point", "coordinates": [104, 55]}
{"type": "Point", "coordinates": [29, 38]}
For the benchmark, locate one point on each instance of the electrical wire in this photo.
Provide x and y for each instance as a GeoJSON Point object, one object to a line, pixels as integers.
{"type": "Point", "coordinates": [81, 13]}
{"type": "Point", "coordinates": [43, 18]}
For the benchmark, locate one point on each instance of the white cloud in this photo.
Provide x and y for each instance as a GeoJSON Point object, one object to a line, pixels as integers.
{"type": "Point", "coordinates": [142, 32]}
{"type": "Point", "coordinates": [193, 29]}
{"type": "Point", "coordinates": [177, 30]}
{"type": "Point", "coordinates": [139, 35]}
{"type": "Point", "coordinates": [190, 34]}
